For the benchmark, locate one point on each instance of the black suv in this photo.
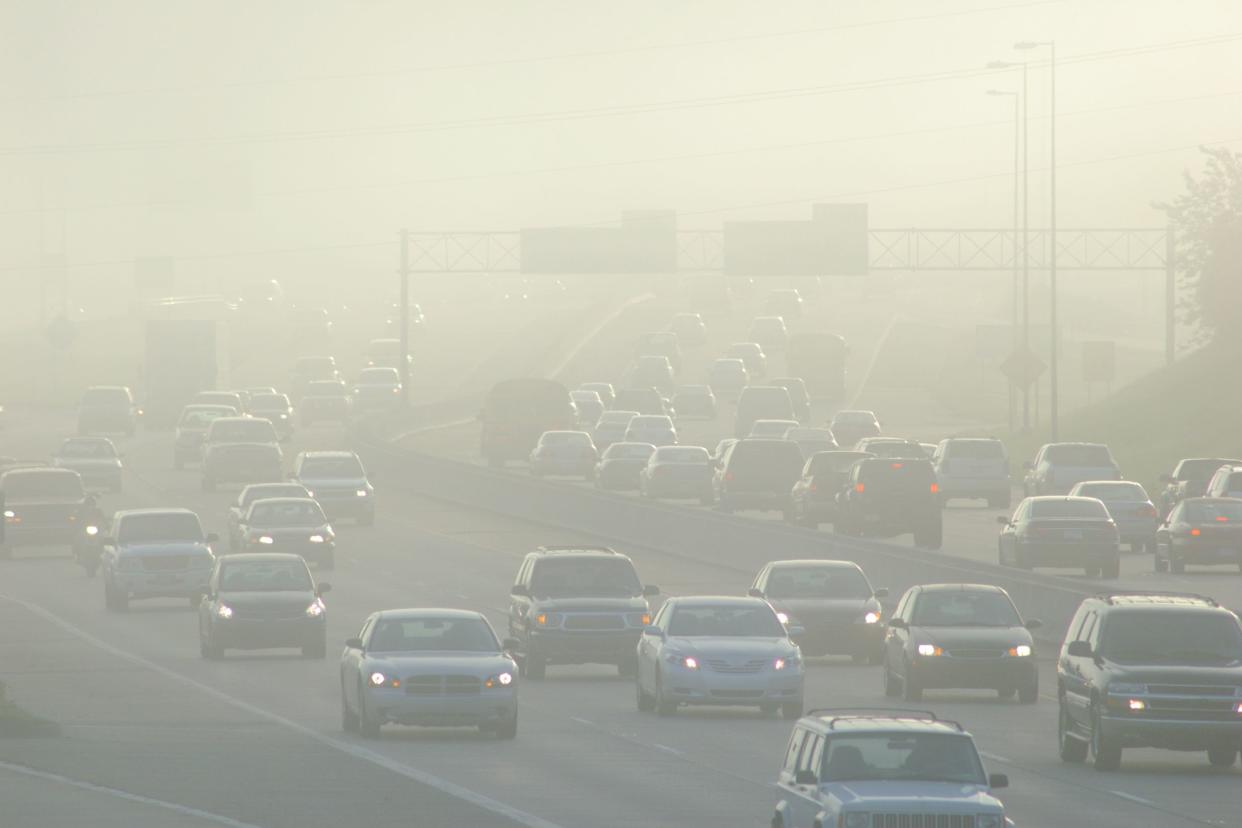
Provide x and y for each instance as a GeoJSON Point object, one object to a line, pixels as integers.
{"type": "Point", "coordinates": [886, 497]}
{"type": "Point", "coordinates": [1150, 669]}
{"type": "Point", "coordinates": [578, 605]}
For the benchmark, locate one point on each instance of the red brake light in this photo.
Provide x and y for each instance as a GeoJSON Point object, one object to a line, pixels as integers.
{"type": "Point", "coordinates": [858, 487]}
{"type": "Point", "coordinates": [935, 487]}
{"type": "Point", "coordinates": [1194, 533]}
{"type": "Point", "coordinates": [1222, 519]}
{"type": "Point", "coordinates": [897, 465]}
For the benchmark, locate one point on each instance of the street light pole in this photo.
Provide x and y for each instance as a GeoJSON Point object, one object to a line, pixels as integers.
{"type": "Point", "coordinates": [1013, 323]}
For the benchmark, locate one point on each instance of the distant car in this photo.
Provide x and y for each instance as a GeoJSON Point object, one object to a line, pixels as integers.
{"type": "Point", "coordinates": [155, 553]}
{"type": "Point", "coordinates": [569, 453]}
{"type": "Point", "coordinates": [1226, 482]}
{"type": "Point", "coordinates": [611, 428]}
{"type": "Point", "coordinates": [650, 428]}
{"type": "Point", "coordinates": [689, 328]}
{"type": "Point", "coordinates": [1129, 507]}
{"type": "Point", "coordinates": [276, 408]}
{"type": "Point", "coordinates": [798, 397]}
{"type": "Point", "coordinates": [785, 302]}
{"type": "Point", "coordinates": [1059, 531]}
{"type": "Point", "coordinates": [107, 409]}
{"type": "Point", "coordinates": [832, 601]}
{"type": "Point", "coordinates": [428, 667]}
{"type": "Point", "coordinates": [770, 333]}
{"type": "Point", "coordinates": [811, 440]}
{"type": "Point", "coordinates": [589, 407]}
{"type": "Point", "coordinates": [326, 400]}
{"type": "Point", "coordinates": [771, 429]}
{"type": "Point", "coordinates": [249, 494]}
{"type": "Point", "coordinates": [339, 482]}
{"type": "Point", "coordinates": [761, 402]}
{"type": "Point", "coordinates": [727, 378]}
{"type": "Point", "coordinates": [1204, 531]}
{"type": "Point", "coordinates": [718, 650]}
{"type": "Point", "coordinates": [885, 497]}
{"type": "Point", "coordinates": [960, 636]}
{"type": "Point", "coordinates": [41, 507]}
{"type": "Point", "coordinates": [752, 355]}
{"type": "Point", "coordinates": [1058, 466]}
{"type": "Point", "coordinates": [1189, 479]}
{"type": "Point", "coordinates": [605, 390]}
{"type": "Point", "coordinates": [377, 389]}
{"type": "Point", "coordinates": [643, 400]}
{"type": "Point", "coordinates": [620, 465]}
{"type": "Point", "coordinates": [192, 426]}
{"type": "Point", "coordinates": [260, 601]}
{"type": "Point", "coordinates": [893, 447]}
{"type": "Point", "coordinates": [757, 474]}
{"type": "Point", "coordinates": [95, 459]}
{"type": "Point", "coordinates": [660, 343]}
{"type": "Point", "coordinates": [313, 369]}
{"type": "Point", "coordinates": [241, 463]}
{"type": "Point", "coordinates": [239, 430]}
{"type": "Point", "coordinates": [386, 353]}
{"type": "Point", "coordinates": [973, 467]}
{"type": "Point", "coordinates": [231, 399]}
{"type": "Point", "coordinates": [814, 497]}
{"type": "Point", "coordinates": [678, 472]}
{"type": "Point", "coordinates": [296, 525]}
{"type": "Point", "coordinates": [929, 450]}
{"type": "Point", "coordinates": [851, 426]}
{"type": "Point", "coordinates": [695, 402]}
{"type": "Point", "coordinates": [653, 372]}
{"type": "Point", "coordinates": [721, 450]}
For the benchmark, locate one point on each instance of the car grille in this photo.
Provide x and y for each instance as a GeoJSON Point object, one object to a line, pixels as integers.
{"type": "Point", "coordinates": [972, 652]}
{"type": "Point", "coordinates": [922, 821]}
{"type": "Point", "coordinates": [269, 613]}
{"type": "Point", "coordinates": [37, 514]}
{"type": "Point", "coordinates": [594, 622]}
{"type": "Point", "coordinates": [737, 694]}
{"type": "Point", "coordinates": [721, 665]}
{"type": "Point", "coordinates": [443, 686]}
{"type": "Point", "coordinates": [1191, 690]}
{"type": "Point", "coordinates": [1199, 710]}
{"type": "Point", "coordinates": [166, 563]}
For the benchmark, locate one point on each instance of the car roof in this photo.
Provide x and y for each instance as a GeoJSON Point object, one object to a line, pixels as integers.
{"type": "Point", "coordinates": [23, 470]}
{"type": "Point", "coordinates": [716, 600]}
{"type": "Point", "coordinates": [961, 588]}
{"type": "Point", "coordinates": [1075, 443]}
{"type": "Point", "coordinates": [244, 557]}
{"type": "Point", "coordinates": [285, 500]}
{"type": "Point", "coordinates": [1062, 498]}
{"type": "Point", "coordinates": [1165, 600]}
{"type": "Point", "coordinates": [819, 563]}
{"type": "Point", "coordinates": [428, 612]}
{"type": "Point", "coordinates": [169, 510]}
{"type": "Point", "coordinates": [318, 455]}
{"type": "Point", "coordinates": [578, 551]}
{"type": "Point", "coordinates": [880, 720]}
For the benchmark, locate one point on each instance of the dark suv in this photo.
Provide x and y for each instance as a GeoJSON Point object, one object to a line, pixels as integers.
{"type": "Point", "coordinates": [757, 474]}
{"type": "Point", "coordinates": [886, 497]}
{"type": "Point", "coordinates": [578, 605]}
{"type": "Point", "coordinates": [1150, 669]}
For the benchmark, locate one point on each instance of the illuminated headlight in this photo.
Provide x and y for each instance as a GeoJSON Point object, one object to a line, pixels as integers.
{"type": "Point", "coordinates": [224, 611]}
{"type": "Point", "coordinates": [790, 662]}
{"type": "Point", "coordinates": [1136, 705]}
{"type": "Point", "coordinates": [782, 617]}
{"type": "Point", "coordinates": [689, 662]}
{"type": "Point", "coordinates": [1126, 689]}
{"type": "Point", "coordinates": [856, 820]}
{"type": "Point", "coordinates": [314, 610]}
{"type": "Point", "coordinates": [266, 539]}
{"type": "Point", "coordinates": [872, 618]}
{"type": "Point", "coordinates": [500, 680]}
{"type": "Point", "coordinates": [990, 821]}
{"type": "Point", "coordinates": [930, 650]}
{"type": "Point", "coordinates": [638, 619]}
{"type": "Point", "coordinates": [1020, 651]}
{"type": "Point", "coordinates": [9, 514]}
{"type": "Point", "coordinates": [92, 530]}
{"type": "Point", "coordinates": [309, 493]}
{"type": "Point", "coordinates": [361, 493]}
{"type": "Point", "coordinates": [378, 679]}
{"type": "Point", "coordinates": [316, 539]}
{"type": "Point", "coordinates": [548, 619]}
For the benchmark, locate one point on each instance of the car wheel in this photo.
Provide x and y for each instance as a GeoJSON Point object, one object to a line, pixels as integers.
{"type": "Point", "coordinates": [1223, 756]}
{"type": "Point", "coordinates": [791, 710]}
{"type": "Point", "coordinates": [628, 667]}
{"type": "Point", "coordinates": [317, 650]}
{"type": "Point", "coordinates": [1071, 749]}
{"type": "Point", "coordinates": [534, 667]}
{"type": "Point", "coordinates": [1159, 564]}
{"type": "Point", "coordinates": [1112, 569]}
{"type": "Point", "coordinates": [349, 719]}
{"type": "Point", "coordinates": [642, 701]}
{"type": "Point", "coordinates": [1107, 752]}
{"type": "Point", "coordinates": [910, 688]}
{"type": "Point", "coordinates": [368, 727]}
{"type": "Point", "coordinates": [892, 686]}
{"type": "Point", "coordinates": [664, 707]}
{"type": "Point", "coordinates": [1029, 692]}
{"type": "Point", "coordinates": [508, 728]}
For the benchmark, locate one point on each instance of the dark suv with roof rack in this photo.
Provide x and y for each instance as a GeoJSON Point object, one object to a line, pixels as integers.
{"type": "Point", "coordinates": [578, 605]}
{"type": "Point", "coordinates": [1150, 669]}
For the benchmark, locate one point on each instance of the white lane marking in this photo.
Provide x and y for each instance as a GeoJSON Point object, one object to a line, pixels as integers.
{"type": "Point", "coordinates": [995, 757]}
{"type": "Point", "coordinates": [184, 810]}
{"type": "Point", "coordinates": [586, 722]}
{"type": "Point", "coordinates": [357, 751]}
{"type": "Point", "coordinates": [875, 358]}
{"type": "Point", "coordinates": [1133, 798]}
{"type": "Point", "coordinates": [667, 749]}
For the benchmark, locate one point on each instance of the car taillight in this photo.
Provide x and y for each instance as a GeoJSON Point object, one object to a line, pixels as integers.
{"type": "Point", "coordinates": [1194, 533]}
{"type": "Point", "coordinates": [859, 487]}
{"type": "Point", "coordinates": [935, 487]}
{"type": "Point", "coordinates": [1222, 519]}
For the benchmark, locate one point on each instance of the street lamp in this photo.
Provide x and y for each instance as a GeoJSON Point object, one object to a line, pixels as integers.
{"type": "Point", "coordinates": [1013, 324]}
{"type": "Point", "coordinates": [1052, 251]}
{"type": "Point", "coordinates": [1026, 230]}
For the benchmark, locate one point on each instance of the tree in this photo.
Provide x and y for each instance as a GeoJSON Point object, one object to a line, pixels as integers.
{"type": "Point", "coordinates": [1207, 223]}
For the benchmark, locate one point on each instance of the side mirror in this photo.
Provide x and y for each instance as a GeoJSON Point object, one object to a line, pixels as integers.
{"type": "Point", "coordinates": [212, 537]}
{"type": "Point", "coordinates": [755, 592]}
{"type": "Point", "coordinates": [796, 630]}
{"type": "Point", "coordinates": [998, 780]}
{"type": "Point", "coordinates": [806, 777]}
{"type": "Point", "coordinates": [1079, 649]}
{"type": "Point", "coordinates": [353, 643]}
{"type": "Point", "coordinates": [1003, 521]}
{"type": "Point", "coordinates": [651, 591]}
{"type": "Point", "coordinates": [881, 592]}
{"type": "Point", "coordinates": [324, 589]}
{"type": "Point", "coordinates": [1033, 624]}
{"type": "Point", "coordinates": [519, 589]}
{"type": "Point", "coordinates": [510, 645]}
{"type": "Point", "coordinates": [654, 632]}
{"type": "Point", "coordinates": [898, 624]}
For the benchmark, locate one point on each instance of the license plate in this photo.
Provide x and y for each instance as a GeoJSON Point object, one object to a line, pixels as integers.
{"type": "Point", "coordinates": [1073, 534]}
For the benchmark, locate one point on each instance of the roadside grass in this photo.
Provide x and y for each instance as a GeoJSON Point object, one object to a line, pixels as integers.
{"type": "Point", "coordinates": [17, 723]}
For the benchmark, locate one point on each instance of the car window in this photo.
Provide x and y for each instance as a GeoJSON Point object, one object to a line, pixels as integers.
{"type": "Point", "coordinates": [1115, 491]}
{"type": "Point", "coordinates": [1059, 508]}
{"type": "Point", "coordinates": [331, 467]}
{"type": "Point", "coordinates": [159, 527]}
{"type": "Point", "coordinates": [682, 454]}
{"type": "Point", "coordinates": [816, 582]}
{"type": "Point", "coordinates": [1088, 628]}
{"type": "Point", "coordinates": [974, 450]}
{"type": "Point", "coordinates": [933, 757]}
{"type": "Point", "coordinates": [407, 635]}
{"type": "Point", "coordinates": [727, 620]}
{"type": "Point", "coordinates": [962, 608]}
{"type": "Point", "coordinates": [53, 484]}
{"type": "Point", "coordinates": [812, 754]}
{"type": "Point", "coordinates": [202, 417]}
{"type": "Point", "coordinates": [269, 402]}
{"type": "Point", "coordinates": [92, 449]}
{"type": "Point", "coordinates": [1169, 637]}
{"type": "Point", "coordinates": [252, 493]}
{"type": "Point", "coordinates": [286, 513]}
{"type": "Point", "coordinates": [794, 751]}
{"type": "Point", "coordinates": [584, 577]}
{"type": "Point", "coordinates": [264, 576]}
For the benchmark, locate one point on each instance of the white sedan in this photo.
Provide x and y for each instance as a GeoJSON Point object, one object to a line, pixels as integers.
{"type": "Point", "coordinates": [719, 650]}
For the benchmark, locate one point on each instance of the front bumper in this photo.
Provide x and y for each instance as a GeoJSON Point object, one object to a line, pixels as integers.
{"type": "Point", "coordinates": [828, 638]}
{"type": "Point", "coordinates": [584, 646]}
{"type": "Point", "coordinates": [1174, 734]}
{"type": "Point", "coordinates": [1084, 554]}
{"type": "Point", "coordinates": [998, 673]}
{"type": "Point", "coordinates": [260, 634]}
{"type": "Point", "coordinates": [488, 707]}
{"type": "Point", "coordinates": [141, 584]}
{"type": "Point", "coordinates": [706, 687]}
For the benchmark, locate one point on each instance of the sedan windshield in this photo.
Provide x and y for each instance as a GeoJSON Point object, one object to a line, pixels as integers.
{"type": "Point", "coordinates": [1119, 491]}
{"type": "Point", "coordinates": [1172, 638]}
{"type": "Point", "coordinates": [269, 402]}
{"type": "Point", "coordinates": [286, 513]}
{"type": "Point", "coordinates": [159, 527]}
{"type": "Point", "coordinates": [96, 449]}
{"type": "Point", "coordinates": [1212, 511]}
{"type": "Point", "coordinates": [411, 635]}
{"type": "Point", "coordinates": [726, 621]}
{"type": "Point", "coordinates": [1069, 509]}
{"type": "Point", "coordinates": [629, 451]}
{"type": "Point", "coordinates": [265, 576]}
{"type": "Point", "coordinates": [49, 483]}
{"type": "Point", "coordinates": [960, 608]}
{"type": "Point", "coordinates": [928, 757]}
{"type": "Point", "coordinates": [202, 417]}
{"type": "Point", "coordinates": [817, 582]}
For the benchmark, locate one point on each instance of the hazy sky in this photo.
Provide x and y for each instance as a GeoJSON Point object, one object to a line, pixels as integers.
{"type": "Point", "coordinates": [148, 127]}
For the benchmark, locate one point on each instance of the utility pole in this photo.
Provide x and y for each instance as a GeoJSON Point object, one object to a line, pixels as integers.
{"type": "Point", "coordinates": [404, 366]}
{"type": "Point", "coordinates": [1013, 322]}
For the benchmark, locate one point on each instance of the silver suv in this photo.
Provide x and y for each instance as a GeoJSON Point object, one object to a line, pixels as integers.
{"type": "Point", "coordinates": [920, 770]}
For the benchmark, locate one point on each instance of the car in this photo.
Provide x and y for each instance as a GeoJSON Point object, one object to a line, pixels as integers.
{"type": "Point", "coordinates": [660, 344]}
{"type": "Point", "coordinates": [238, 431]}
{"type": "Point", "coordinates": [799, 398]}
{"type": "Point", "coordinates": [656, 429]}
{"type": "Point", "coordinates": [260, 391]}
{"type": "Point", "coordinates": [275, 408]}
{"type": "Point", "coordinates": [851, 425]}
{"type": "Point", "coordinates": [811, 440]}
{"type": "Point", "coordinates": [1054, 531]}
{"type": "Point", "coordinates": [312, 326]}
{"type": "Point", "coordinates": [377, 389]}
{"type": "Point", "coordinates": [589, 407]}
{"type": "Point", "coordinates": [386, 353]}
{"type": "Point", "coordinates": [259, 601]}
{"type": "Point", "coordinates": [695, 402]}
{"type": "Point", "coordinates": [417, 320]}
{"type": "Point", "coordinates": [653, 372]}
{"type": "Point", "coordinates": [757, 474]}
{"type": "Point", "coordinates": [296, 525]}
{"type": "Point", "coordinates": [577, 605]}
{"type": "Point", "coordinates": [107, 409]}
{"type": "Point", "coordinates": [832, 601]}
{"type": "Point", "coordinates": [241, 463]}
{"type": "Point", "coordinates": [719, 650]}
{"type": "Point", "coordinates": [1129, 507]}
{"type": "Point", "coordinates": [727, 378]}
{"type": "Point", "coordinates": [231, 399]}
{"type": "Point", "coordinates": [871, 768]}
{"type": "Point", "coordinates": [339, 482]}
{"type": "Point", "coordinates": [689, 327]}
{"type": "Point", "coordinates": [973, 468]}
{"type": "Point", "coordinates": [41, 507]}
{"type": "Point", "coordinates": [784, 302]}
{"type": "Point", "coordinates": [721, 450]}
{"type": "Point", "coordinates": [1226, 482]}
{"type": "Point", "coordinates": [644, 401]}
{"type": "Point", "coordinates": [1204, 531]}
{"type": "Point", "coordinates": [1149, 669]}
{"type": "Point", "coordinates": [570, 453]}
{"type": "Point", "coordinates": [1058, 466]}
{"type": "Point", "coordinates": [95, 459]}
{"type": "Point", "coordinates": [885, 497]}
{"type": "Point", "coordinates": [611, 428]}
{"type": "Point", "coordinates": [769, 332]}
{"type": "Point", "coordinates": [605, 390]}
{"type": "Point", "coordinates": [761, 402]}
{"type": "Point", "coordinates": [678, 472]}
{"type": "Point", "coordinates": [155, 553]}
{"type": "Point", "coordinates": [814, 497]}
{"type": "Point", "coordinates": [944, 636]}
{"type": "Point", "coordinates": [772, 429]}
{"type": "Point", "coordinates": [1189, 478]}
{"type": "Point", "coordinates": [313, 369]}
{"type": "Point", "coordinates": [893, 447]}
{"type": "Point", "coordinates": [325, 400]}
{"type": "Point", "coordinates": [249, 494]}
{"type": "Point", "coordinates": [621, 464]}
{"type": "Point", "coordinates": [192, 426]}
{"type": "Point", "coordinates": [428, 667]}
{"type": "Point", "coordinates": [751, 353]}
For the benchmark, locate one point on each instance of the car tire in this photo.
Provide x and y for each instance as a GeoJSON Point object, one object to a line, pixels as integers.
{"type": "Point", "coordinates": [1029, 693]}
{"type": "Point", "coordinates": [1071, 750]}
{"type": "Point", "coordinates": [1106, 752]}
{"type": "Point", "coordinates": [644, 702]}
{"type": "Point", "coordinates": [663, 706]}
{"type": "Point", "coordinates": [507, 729]}
{"type": "Point", "coordinates": [892, 687]}
{"type": "Point", "coordinates": [1112, 570]}
{"type": "Point", "coordinates": [349, 719]}
{"type": "Point", "coordinates": [368, 727]}
{"type": "Point", "coordinates": [628, 668]}
{"type": "Point", "coordinates": [910, 690]}
{"type": "Point", "coordinates": [534, 668]}
{"type": "Point", "coordinates": [1159, 564]}
{"type": "Point", "coordinates": [791, 711]}
{"type": "Point", "coordinates": [317, 650]}
{"type": "Point", "coordinates": [1223, 756]}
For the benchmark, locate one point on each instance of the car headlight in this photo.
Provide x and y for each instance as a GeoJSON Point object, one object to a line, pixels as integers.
{"type": "Point", "coordinates": [547, 619]}
{"type": "Point", "coordinates": [782, 617]}
{"type": "Point", "coordinates": [316, 539]}
{"type": "Point", "coordinates": [638, 619]}
{"type": "Point", "coordinates": [689, 662]}
{"type": "Point", "coordinates": [314, 610]}
{"type": "Point", "coordinates": [378, 679]}
{"type": "Point", "coordinates": [1020, 651]}
{"type": "Point", "coordinates": [9, 514]}
{"type": "Point", "coordinates": [92, 530]}
{"type": "Point", "coordinates": [1121, 688]}
{"type": "Point", "coordinates": [499, 680]}
{"type": "Point", "coordinates": [990, 821]}
{"type": "Point", "coordinates": [930, 650]}
{"type": "Point", "coordinates": [788, 662]}
{"type": "Point", "coordinates": [856, 820]}
{"type": "Point", "coordinates": [265, 539]}
{"type": "Point", "coordinates": [224, 611]}
{"type": "Point", "coordinates": [361, 493]}
{"type": "Point", "coordinates": [871, 618]}
{"type": "Point", "coordinates": [309, 493]}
